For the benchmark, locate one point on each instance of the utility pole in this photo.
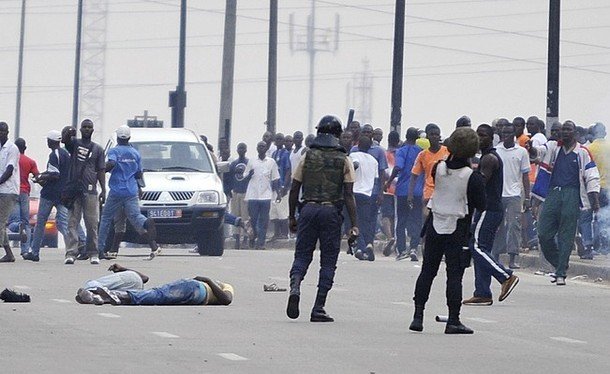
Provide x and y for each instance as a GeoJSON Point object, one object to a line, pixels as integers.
{"type": "Point", "coordinates": [228, 67]}
{"type": "Point", "coordinates": [552, 91]}
{"type": "Point", "coordinates": [397, 65]}
{"type": "Point", "coordinates": [177, 99]}
{"type": "Point", "coordinates": [20, 72]}
{"type": "Point", "coordinates": [360, 93]}
{"type": "Point", "coordinates": [79, 22]}
{"type": "Point", "coordinates": [272, 69]}
{"type": "Point", "coordinates": [314, 42]}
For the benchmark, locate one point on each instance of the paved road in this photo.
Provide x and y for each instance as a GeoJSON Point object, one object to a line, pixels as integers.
{"type": "Point", "coordinates": [540, 328]}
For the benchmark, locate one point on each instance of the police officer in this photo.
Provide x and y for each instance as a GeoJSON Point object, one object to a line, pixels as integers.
{"type": "Point", "coordinates": [458, 191]}
{"type": "Point", "coordinates": [327, 176]}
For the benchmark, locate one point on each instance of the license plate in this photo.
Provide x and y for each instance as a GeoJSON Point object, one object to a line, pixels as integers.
{"type": "Point", "coordinates": [165, 213]}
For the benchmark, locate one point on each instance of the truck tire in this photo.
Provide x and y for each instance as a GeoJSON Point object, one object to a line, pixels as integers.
{"type": "Point", "coordinates": [211, 243]}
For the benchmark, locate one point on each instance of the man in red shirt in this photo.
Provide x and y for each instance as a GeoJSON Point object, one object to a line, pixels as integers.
{"type": "Point", "coordinates": [27, 167]}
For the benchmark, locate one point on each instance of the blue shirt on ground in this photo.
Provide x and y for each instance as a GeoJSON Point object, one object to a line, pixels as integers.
{"type": "Point", "coordinates": [566, 170]}
{"type": "Point", "coordinates": [405, 158]}
{"type": "Point", "coordinates": [122, 180]}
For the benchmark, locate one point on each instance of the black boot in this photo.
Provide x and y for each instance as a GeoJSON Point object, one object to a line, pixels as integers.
{"type": "Point", "coordinates": [151, 232]}
{"type": "Point", "coordinates": [418, 319]}
{"type": "Point", "coordinates": [318, 314]}
{"type": "Point", "coordinates": [292, 310]}
{"type": "Point", "coordinates": [454, 326]}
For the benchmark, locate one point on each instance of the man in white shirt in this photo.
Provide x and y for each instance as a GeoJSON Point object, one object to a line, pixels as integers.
{"type": "Point", "coordinates": [366, 174]}
{"type": "Point", "coordinates": [516, 185]}
{"type": "Point", "coordinates": [264, 180]}
{"type": "Point", "coordinates": [9, 186]}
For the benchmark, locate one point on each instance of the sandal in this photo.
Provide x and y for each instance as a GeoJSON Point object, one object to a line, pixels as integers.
{"type": "Point", "coordinates": [273, 288]}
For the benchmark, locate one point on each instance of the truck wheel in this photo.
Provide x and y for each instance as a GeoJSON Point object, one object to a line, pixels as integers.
{"type": "Point", "coordinates": [211, 243]}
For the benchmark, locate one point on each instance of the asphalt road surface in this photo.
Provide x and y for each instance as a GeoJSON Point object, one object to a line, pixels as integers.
{"type": "Point", "coordinates": [540, 328]}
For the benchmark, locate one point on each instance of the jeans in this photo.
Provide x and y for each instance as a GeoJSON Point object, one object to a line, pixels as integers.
{"type": "Point", "coordinates": [485, 266]}
{"type": "Point", "coordinates": [131, 208]}
{"type": "Point", "coordinates": [44, 210]}
{"type": "Point", "coordinates": [23, 212]}
{"type": "Point", "coordinates": [409, 219]}
{"type": "Point", "coordinates": [585, 227]}
{"type": "Point", "coordinates": [259, 217]}
{"type": "Point", "coordinates": [61, 219]}
{"type": "Point", "coordinates": [438, 245]}
{"type": "Point", "coordinates": [509, 233]}
{"type": "Point", "coordinates": [601, 239]}
{"type": "Point", "coordinates": [87, 208]}
{"type": "Point", "coordinates": [559, 217]}
{"type": "Point", "coordinates": [180, 292]}
{"type": "Point", "coordinates": [323, 223]}
{"type": "Point", "coordinates": [7, 203]}
{"type": "Point", "coordinates": [366, 220]}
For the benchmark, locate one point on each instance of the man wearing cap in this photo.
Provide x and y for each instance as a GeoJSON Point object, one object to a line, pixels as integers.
{"type": "Point", "coordinates": [9, 186]}
{"type": "Point", "coordinates": [125, 167]}
{"type": "Point", "coordinates": [52, 181]}
{"type": "Point", "coordinates": [27, 166]}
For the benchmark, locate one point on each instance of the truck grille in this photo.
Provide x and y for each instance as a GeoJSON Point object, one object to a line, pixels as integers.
{"type": "Point", "coordinates": [151, 195]}
{"type": "Point", "coordinates": [181, 195]}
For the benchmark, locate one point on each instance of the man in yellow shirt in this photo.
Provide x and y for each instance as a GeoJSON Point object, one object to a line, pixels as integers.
{"type": "Point", "coordinates": [600, 150]}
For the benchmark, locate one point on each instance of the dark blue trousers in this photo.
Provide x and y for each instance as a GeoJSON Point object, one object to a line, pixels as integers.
{"type": "Point", "coordinates": [485, 226]}
{"type": "Point", "coordinates": [409, 219]}
{"type": "Point", "coordinates": [366, 220]}
{"type": "Point", "coordinates": [318, 223]}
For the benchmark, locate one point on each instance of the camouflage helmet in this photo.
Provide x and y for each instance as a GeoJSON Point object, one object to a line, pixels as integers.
{"type": "Point", "coordinates": [463, 142]}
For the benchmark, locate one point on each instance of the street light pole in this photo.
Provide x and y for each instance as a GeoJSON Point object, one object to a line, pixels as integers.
{"type": "Point", "coordinates": [552, 92]}
{"type": "Point", "coordinates": [177, 99]}
{"type": "Point", "coordinates": [20, 72]}
{"type": "Point", "coordinates": [272, 69]}
{"type": "Point", "coordinates": [397, 66]}
{"type": "Point", "coordinates": [79, 22]}
{"type": "Point", "coordinates": [228, 67]}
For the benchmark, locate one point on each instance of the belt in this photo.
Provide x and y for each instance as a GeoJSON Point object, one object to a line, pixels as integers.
{"type": "Point", "coordinates": [559, 188]}
{"type": "Point", "coordinates": [325, 203]}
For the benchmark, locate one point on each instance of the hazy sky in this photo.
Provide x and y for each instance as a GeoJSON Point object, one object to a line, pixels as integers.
{"type": "Point", "coordinates": [486, 59]}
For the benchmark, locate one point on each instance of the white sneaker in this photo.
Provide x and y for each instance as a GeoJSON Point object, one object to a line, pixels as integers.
{"type": "Point", "coordinates": [69, 261]}
{"type": "Point", "coordinates": [94, 260]}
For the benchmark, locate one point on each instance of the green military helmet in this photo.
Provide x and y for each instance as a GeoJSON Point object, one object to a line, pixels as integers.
{"type": "Point", "coordinates": [330, 124]}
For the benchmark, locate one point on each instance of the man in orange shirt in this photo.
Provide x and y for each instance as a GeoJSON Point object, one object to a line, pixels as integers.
{"type": "Point", "coordinates": [522, 137]}
{"type": "Point", "coordinates": [27, 167]}
{"type": "Point", "coordinates": [425, 161]}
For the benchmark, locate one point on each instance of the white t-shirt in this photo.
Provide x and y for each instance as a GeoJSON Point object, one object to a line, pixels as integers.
{"type": "Point", "coordinates": [9, 155]}
{"type": "Point", "coordinates": [516, 162]}
{"type": "Point", "coordinates": [265, 172]}
{"type": "Point", "coordinates": [295, 158]}
{"type": "Point", "coordinates": [272, 148]}
{"type": "Point", "coordinates": [538, 139]}
{"type": "Point", "coordinates": [366, 173]}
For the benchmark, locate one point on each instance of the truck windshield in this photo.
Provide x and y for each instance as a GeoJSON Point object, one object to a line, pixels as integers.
{"type": "Point", "coordinates": [173, 156]}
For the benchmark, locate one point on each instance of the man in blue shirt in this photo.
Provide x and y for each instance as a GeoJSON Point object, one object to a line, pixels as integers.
{"type": "Point", "coordinates": [236, 186]}
{"type": "Point", "coordinates": [53, 181]}
{"type": "Point", "coordinates": [409, 216]}
{"type": "Point", "coordinates": [125, 167]}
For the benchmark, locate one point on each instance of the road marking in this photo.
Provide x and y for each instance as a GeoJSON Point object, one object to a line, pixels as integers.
{"type": "Point", "coordinates": [61, 301]}
{"type": "Point", "coordinates": [482, 320]}
{"type": "Point", "coordinates": [109, 315]}
{"type": "Point", "coordinates": [164, 334]}
{"type": "Point", "coordinates": [400, 303]}
{"type": "Point", "coordinates": [232, 357]}
{"type": "Point", "coordinates": [22, 287]}
{"type": "Point", "coordinates": [567, 340]}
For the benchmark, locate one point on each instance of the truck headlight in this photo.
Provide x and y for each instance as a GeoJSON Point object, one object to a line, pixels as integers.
{"type": "Point", "coordinates": [207, 197]}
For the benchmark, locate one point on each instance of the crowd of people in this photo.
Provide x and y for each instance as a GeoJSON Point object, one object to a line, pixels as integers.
{"type": "Point", "coordinates": [476, 195]}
